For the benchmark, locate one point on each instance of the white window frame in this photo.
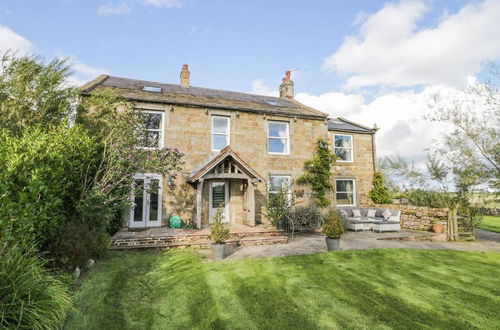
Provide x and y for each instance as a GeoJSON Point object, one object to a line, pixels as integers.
{"type": "Point", "coordinates": [279, 138]}
{"type": "Point", "coordinates": [351, 148]}
{"type": "Point", "coordinates": [346, 192]}
{"type": "Point", "coordinates": [212, 133]}
{"type": "Point", "coordinates": [289, 192]}
{"type": "Point", "coordinates": [161, 129]}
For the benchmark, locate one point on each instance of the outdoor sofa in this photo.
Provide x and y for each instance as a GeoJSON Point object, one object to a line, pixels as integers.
{"type": "Point", "coordinates": [390, 221]}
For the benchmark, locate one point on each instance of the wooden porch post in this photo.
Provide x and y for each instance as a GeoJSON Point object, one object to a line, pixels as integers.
{"type": "Point", "coordinates": [251, 203]}
{"type": "Point", "coordinates": [199, 190]}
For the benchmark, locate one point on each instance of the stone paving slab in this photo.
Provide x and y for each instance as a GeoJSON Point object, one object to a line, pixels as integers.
{"type": "Point", "coordinates": [315, 243]}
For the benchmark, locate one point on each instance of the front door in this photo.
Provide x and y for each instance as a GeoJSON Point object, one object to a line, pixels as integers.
{"type": "Point", "coordinates": [146, 199]}
{"type": "Point", "coordinates": [219, 196]}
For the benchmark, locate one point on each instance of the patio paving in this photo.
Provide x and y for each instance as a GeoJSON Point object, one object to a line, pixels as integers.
{"type": "Point", "coordinates": [315, 243]}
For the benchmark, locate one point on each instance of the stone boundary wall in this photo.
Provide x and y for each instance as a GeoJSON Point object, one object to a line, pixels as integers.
{"type": "Point", "coordinates": [419, 217]}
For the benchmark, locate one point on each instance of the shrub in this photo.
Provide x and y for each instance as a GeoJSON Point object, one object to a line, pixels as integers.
{"type": "Point", "coordinates": [379, 193]}
{"type": "Point", "coordinates": [218, 234]}
{"type": "Point", "coordinates": [30, 297]}
{"type": "Point", "coordinates": [421, 197]}
{"type": "Point", "coordinates": [42, 178]}
{"type": "Point", "coordinates": [309, 216]}
{"type": "Point", "coordinates": [333, 226]}
{"type": "Point", "coordinates": [74, 243]}
{"type": "Point", "coordinates": [278, 205]}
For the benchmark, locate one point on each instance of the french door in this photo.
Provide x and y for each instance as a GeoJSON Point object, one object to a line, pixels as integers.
{"type": "Point", "coordinates": [146, 199]}
{"type": "Point", "coordinates": [219, 196]}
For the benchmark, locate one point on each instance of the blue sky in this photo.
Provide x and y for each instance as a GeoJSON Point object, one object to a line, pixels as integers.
{"type": "Point", "coordinates": [227, 44]}
{"type": "Point", "coordinates": [369, 61]}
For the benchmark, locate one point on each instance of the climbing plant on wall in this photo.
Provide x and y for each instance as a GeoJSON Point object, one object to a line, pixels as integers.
{"type": "Point", "coordinates": [318, 172]}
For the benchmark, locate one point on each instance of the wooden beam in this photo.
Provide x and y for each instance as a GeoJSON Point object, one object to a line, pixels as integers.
{"type": "Point", "coordinates": [225, 176]}
{"type": "Point", "coordinates": [199, 191]}
{"type": "Point", "coordinates": [251, 203]}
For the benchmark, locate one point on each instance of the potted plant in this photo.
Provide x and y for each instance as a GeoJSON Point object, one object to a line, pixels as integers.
{"type": "Point", "coordinates": [333, 230]}
{"type": "Point", "coordinates": [218, 235]}
{"type": "Point", "coordinates": [436, 227]}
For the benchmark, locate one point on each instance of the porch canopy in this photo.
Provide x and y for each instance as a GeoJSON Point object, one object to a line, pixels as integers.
{"type": "Point", "coordinates": [227, 165]}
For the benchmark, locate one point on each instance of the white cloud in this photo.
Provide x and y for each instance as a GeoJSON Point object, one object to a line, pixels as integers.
{"type": "Point", "coordinates": [334, 103]}
{"type": "Point", "coordinates": [392, 50]}
{"type": "Point", "coordinates": [82, 73]}
{"type": "Point", "coordinates": [110, 8]}
{"type": "Point", "coordinates": [9, 40]}
{"type": "Point", "coordinates": [163, 3]}
{"type": "Point", "coordinates": [259, 87]}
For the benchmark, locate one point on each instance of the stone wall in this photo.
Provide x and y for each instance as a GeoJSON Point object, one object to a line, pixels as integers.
{"type": "Point", "coordinates": [361, 169]}
{"type": "Point", "coordinates": [419, 217]}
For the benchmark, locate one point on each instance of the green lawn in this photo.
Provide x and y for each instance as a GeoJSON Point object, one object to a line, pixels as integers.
{"type": "Point", "coordinates": [352, 289]}
{"type": "Point", "coordinates": [490, 223]}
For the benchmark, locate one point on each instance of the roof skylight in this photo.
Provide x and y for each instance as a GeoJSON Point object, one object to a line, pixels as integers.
{"type": "Point", "coordinates": [152, 89]}
{"type": "Point", "coordinates": [272, 102]}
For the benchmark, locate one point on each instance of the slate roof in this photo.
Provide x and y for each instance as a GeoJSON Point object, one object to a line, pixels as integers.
{"type": "Point", "coordinates": [132, 89]}
{"type": "Point", "coordinates": [344, 125]}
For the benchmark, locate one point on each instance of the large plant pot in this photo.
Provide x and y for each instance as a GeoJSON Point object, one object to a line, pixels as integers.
{"type": "Point", "coordinates": [218, 251]}
{"type": "Point", "coordinates": [438, 229]}
{"type": "Point", "coordinates": [332, 244]}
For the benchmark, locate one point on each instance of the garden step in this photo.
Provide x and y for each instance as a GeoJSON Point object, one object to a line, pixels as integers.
{"type": "Point", "coordinates": [196, 240]}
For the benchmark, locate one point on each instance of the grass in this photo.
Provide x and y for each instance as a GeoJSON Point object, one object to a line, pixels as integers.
{"type": "Point", "coordinates": [377, 289]}
{"type": "Point", "coordinates": [490, 223]}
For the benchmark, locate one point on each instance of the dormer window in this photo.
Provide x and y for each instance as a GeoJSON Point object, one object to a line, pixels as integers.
{"type": "Point", "coordinates": [152, 89]}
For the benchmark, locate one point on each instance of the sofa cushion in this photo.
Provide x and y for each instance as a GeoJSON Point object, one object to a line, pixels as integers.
{"type": "Point", "coordinates": [356, 213]}
{"type": "Point", "coordinates": [386, 214]}
{"type": "Point", "coordinates": [344, 213]}
{"type": "Point", "coordinates": [371, 213]}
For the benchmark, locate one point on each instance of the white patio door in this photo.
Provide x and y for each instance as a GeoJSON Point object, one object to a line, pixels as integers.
{"type": "Point", "coordinates": [219, 195]}
{"type": "Point", "coordinates": [146, 199]}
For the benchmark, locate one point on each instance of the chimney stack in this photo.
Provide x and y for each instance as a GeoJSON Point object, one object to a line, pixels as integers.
{"type": "Point", "coordinates": [185, 76]}
{"type": "Point", "coordinates": [286, 87]}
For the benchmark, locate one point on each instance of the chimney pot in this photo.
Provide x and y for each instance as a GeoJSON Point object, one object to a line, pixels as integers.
{"type": "Point", "coordinates": [185, 76]}
{"type": "Point", "coordinates": [286, 87]}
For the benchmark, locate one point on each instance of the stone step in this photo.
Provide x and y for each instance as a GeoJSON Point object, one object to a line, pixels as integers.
{"type": "Point", "coordinates": [152, 244]}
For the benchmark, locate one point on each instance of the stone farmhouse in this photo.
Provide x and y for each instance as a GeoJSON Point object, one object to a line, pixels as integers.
{"type": "Point", "coordinates": [238, 149]}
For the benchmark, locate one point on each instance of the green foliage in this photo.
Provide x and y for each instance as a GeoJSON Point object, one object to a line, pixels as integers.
{"type": "Point", "coordinates": [317, 173]}
{"type": "Point", "coordinates": [42, 179]}
{"type": "Point", "coordinates": [30, 297]}
{"type": "Point", "coordinates": [33, 93]}
{"type": "Point", "coordinates": [218, 233]}
{"type": "Point", "coordinates": [278, 205]}
{"type": "Point", "coordinates": [428, 198]}
{"type": "Point", "coordinates": [379, 193]}
{"type": "Point", "coordinates": [309, 216]}
{"type": "Point", "coordinates": [333, 226]}
{"type": "Point", "coordinates": [76, 242]}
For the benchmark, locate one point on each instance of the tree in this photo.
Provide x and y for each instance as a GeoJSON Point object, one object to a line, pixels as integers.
{"type": "Point", "coordinates": [472, 148]}
{"type": "Point", "coordinates": [379, 193]}
{"type": "Point", "coordinates": [33, 93]}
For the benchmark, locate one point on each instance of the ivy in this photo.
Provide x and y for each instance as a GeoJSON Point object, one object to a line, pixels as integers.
{"type": "Point", "coordinates": [318, 172]}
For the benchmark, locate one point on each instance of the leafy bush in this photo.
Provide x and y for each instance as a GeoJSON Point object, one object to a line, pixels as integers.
{"type": "Point", "coordinates": [309, 216]}
{"type": "Point", "coordinates": [76, 242]}
{"type": "Point", "coordinates": [428, 198]}
{"type": "Point", "coordinates": [218, 234]}
{"type": "Point", "coordinates": [379, 193]}
{"type": "Point", "coordinates": [42, 178]}
{"type": "Point", "coordinates": [30, 297]}
{"type": "Point", "coordinates": [278, 205]}
{"type": "Point", "coordinates": [333, 226]}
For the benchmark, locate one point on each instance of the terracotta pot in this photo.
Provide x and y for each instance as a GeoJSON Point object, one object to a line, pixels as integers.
{"type": "Point", "coordinates": [437, 228]}
{"type": "Point", "coordinates": [332, 244]}
{"type": "Point", "coordinates": [218, 251]}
